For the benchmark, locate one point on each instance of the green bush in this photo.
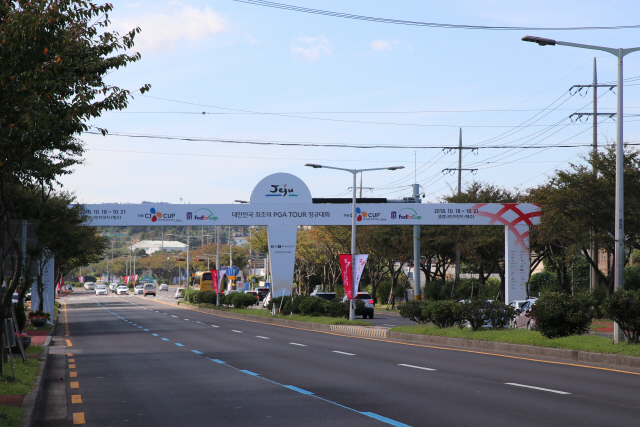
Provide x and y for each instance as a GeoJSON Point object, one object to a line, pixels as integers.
{"type": "Point", "coordinates": [295, 303]}
{"type": "Point", "coordinates": [208, 297]}
{"type": "Point", "coordinates": [443, 314]}
{"type": "Point", "coordinates": [359, 309]}
{"type": "Point", "coordinates": [313, 306]}
{"type": "Point", "coordinates": [337, 308]}
{"type": "Point", "coordinates": [544, 281]}
{"type": "Point", "coordinates": [222, 298]}
{"type": "Point", "coordinates": [561, 315]}
{"type": "Point", "coordinates": [500, 314]}
{"type": "Point", "coordinates": [242, 300]}
{"type": "Point", "coordinates": [412, 310]}
{"type": "Point", "coordinates": [623, 307]}
{"type": "Point", "coordinates": [475, 312]}
{"type": "Point", "coordinates": [230, 298]}
{"type": "Point", "coordinates": [283, 306]}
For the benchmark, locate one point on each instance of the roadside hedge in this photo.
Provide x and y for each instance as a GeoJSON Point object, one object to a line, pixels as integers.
{"type": "Point", "coordinates": [475, 313]}
{"type": "Point", "coordinates": [560, 315]}
{"type": "Point", "coordinates": [623, 307]}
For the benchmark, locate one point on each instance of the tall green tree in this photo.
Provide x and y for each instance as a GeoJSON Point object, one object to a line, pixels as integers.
{"type": "Point", "coordinates": [578, 206]}
{"type": "Point", "coordinates": [54, 56]}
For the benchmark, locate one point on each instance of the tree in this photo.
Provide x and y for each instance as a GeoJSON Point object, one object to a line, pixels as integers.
{"type": "Point", "coordinates": [54, 57]}
{"type": "Point", "coordinates": [578, 207]}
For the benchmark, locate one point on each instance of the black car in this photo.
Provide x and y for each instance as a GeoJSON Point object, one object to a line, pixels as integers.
{"type": "Point", "coordinates": [262, 293]}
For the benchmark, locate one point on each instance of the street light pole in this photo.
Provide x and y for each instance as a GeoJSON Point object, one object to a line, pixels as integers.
{"type": "Point", "coordinates": [354, 172]}
{"type": "Point", "coordinates": [619, 197]}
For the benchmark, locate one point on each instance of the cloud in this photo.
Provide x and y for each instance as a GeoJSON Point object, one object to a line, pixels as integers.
{"type": "Point", "coordinates": [384, 45]}
{"type": "Point", "coordinates": [312, 48]}
{"type": "Point", "coordinates": [163, 32]}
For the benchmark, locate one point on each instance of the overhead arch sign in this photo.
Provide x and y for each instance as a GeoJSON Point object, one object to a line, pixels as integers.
{"type": "Point", "coordinates": [282, 202]}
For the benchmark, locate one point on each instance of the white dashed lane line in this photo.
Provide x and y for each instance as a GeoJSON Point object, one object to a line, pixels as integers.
{"type": "Point", "coordinates": [538, 388]}
{"type": "Point", "coordinates": [342, 352]}
{"type": "Point", "coordinates": [295, 343]}
{"type": "Point", "coordinates": [215, 326]}
{"type": "Point", "coordinates": [416, 367]}
{"type": "Point", "coordinates": [238, 332]}
{"type": "Point", "coordinates": [264, 338]}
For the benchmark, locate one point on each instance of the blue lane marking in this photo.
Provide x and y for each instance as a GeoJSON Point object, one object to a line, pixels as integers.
{"type": "Point", "coordinates": [217, 361]}
{"type": "Point", "coordinates": [197, 352]}
{"type": "Point", "coordinates": [146, 330]}
{"type": "Point", "coordinates": [165, 339]}
{"type": "Point", "coordinates": [299, 390]}
{"type": "Point", "coordinates": [139, 327]}
{"type": "Point", "coordinates": [248, 372]}
{"type": "Point", "coordinates": [135, 324]}
{"type": "Point", "coordinates": [179, 345]}
{"type": "Point", "coordinates": [155, 335]}
{"type": "Point", "coordinates": [385, 419]}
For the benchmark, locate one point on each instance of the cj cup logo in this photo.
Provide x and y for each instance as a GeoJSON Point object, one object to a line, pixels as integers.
{"type": "Point", "coordinates": [278, 191]}
{"type": "Point", "coordinates": [361, 215]}
{"type": "Point", "coordinates": [154, 216]}
{"type": "Point", "coordinates": [407, 213]}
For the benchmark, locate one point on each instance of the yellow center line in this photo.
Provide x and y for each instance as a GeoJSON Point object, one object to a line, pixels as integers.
{"type": "Point", "coordinates": [76, 398]}
{"type": "Point", "coordinates": [74, 384]}
{"type": "Point", "coordinates": [69, 343]}
{"type": "Point", "coordinates": [73, 374]}
{"type": "Point", "coordinates": [78, 417]}
{"type": "Point", "coordinates": [72, 366]}
{"type": "Point", "coordinates": [71, 360]}
{"type": "Point", "coordinates": [409, 344]}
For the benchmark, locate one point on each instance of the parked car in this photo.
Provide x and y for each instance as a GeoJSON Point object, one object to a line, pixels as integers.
{"type": "Point", "coordinates": [149, 289]}
{"type": "Point", "coordinates": [368, 303]}
{"type": "Point", "coordinates": [262, 292]}
{"type": "Point", "coordinates": [324, 295]}
{"type": "Point", "coordinates": [524, 319]}
{"type": "Point", "coordinates": [164, 287]}
{"type": "Point", "coordinates": [101, 290]}
{"type": "Point", "coordinates": [122, 290]}
{"type": "Point", "coordinates": [254, 293]}
{"type": "Point", "coordinates": [179, 293]}
{"type": "Point", "coordinates": [89, 286]}
{"type": "Point", "coordinates": [113, 287]}
{"type": "Point", "coordinates": [15, 298]}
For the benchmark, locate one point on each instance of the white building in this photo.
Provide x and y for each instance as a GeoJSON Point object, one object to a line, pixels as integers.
{"type": "Point", "coordinates": [151, 246]}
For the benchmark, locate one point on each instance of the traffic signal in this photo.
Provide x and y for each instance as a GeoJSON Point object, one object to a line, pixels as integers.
{"type": "Point", "coordinates": [181, 259]}
{"type": "Point", "coordinates": [201, 259]}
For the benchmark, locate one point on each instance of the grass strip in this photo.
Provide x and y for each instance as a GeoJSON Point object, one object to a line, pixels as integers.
{"type": "Point", "coordinates": [266, 313]}
{"type": "Point", "coordinates": [20, 386]}
{"type": "Point", "coordinates": [587, 342]}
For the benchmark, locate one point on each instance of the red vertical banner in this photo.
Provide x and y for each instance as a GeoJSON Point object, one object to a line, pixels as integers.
{"type": "Point", "coordinates": [346, 268]}
{"type": "Point", "coordinates": [214, 280]}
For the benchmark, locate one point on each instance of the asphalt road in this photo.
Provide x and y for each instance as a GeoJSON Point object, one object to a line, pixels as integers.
{"type": "Point", "coordinates": [146, 362]}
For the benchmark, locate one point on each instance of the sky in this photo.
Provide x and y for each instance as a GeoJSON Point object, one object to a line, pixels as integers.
{"type": "Point", "coordinates": [312, 82]}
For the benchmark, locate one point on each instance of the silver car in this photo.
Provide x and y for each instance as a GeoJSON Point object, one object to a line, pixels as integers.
{"type": "Point", "coordinates": [101, 290]}
{"type": "Point", "coordinates": [524, 319]}
{"type": "Point", "coordinates": [368, 304]}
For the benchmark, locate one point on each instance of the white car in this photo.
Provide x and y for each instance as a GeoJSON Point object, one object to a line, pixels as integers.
{"type": "Point", "coordinates": [101, 290]}
{"type": "Point", "coordinates": [89, 286]}
{"type": "Point", "coordinates": [122, 290]}
{"type": "Point", "coordinates": [113, 287]}
{"type": "Point", "coordinates": [164, 287]}
{"type": "Point", "coordinates": [138, 290]}
{"type": "Point", "coordinates": [179, 293]}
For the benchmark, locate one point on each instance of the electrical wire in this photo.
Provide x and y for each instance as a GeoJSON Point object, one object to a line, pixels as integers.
{"type": "Point", "coordinates": [419, 23]}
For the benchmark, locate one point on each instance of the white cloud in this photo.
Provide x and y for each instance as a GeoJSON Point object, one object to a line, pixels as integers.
{"type": "Point", "coordinates": [162, 32]}
{"type": "Point", "coordinates": [384, 45]}
{"type": "Point", "coordinates": [312, 48]}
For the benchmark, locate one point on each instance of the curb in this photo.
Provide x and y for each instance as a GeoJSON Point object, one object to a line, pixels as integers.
{"type": "Point", "coordinates": [616, 360]}
{"type": "Point", "coordinates": [30, 401]}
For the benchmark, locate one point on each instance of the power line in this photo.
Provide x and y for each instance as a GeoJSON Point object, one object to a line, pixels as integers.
{"type": "Point", "coordinates": [317, 144]}
{"type": "Point", "coordinates": [418, 23]}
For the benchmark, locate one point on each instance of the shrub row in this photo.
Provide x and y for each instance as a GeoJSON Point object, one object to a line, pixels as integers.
{"type": "Point", "coordinates": [236, 299]}
{"type": "Point", "coordinates": [475, 313]}
{"type": "Point", "coordinates": [314, 306]}
{"type": "Point", "coordinates": [560, 315]}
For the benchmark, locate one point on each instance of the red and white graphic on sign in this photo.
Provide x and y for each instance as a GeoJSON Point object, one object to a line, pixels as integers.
{"type": "Point", "coordinates": [346, 267]}
{"type": "Point", "coordinates": [214, 280]}
{"type": "Point", "coordinates": [361, 260]}
{"type": "Point", "coordinates": [510, 215]}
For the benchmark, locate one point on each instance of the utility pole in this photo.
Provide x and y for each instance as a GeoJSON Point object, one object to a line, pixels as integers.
{"type": "Point", "coordinates": [459, 169]}
{"type": "Point", "coordinates": [417, 290]}
{"type": "Point", "coordinates": [593, 250]}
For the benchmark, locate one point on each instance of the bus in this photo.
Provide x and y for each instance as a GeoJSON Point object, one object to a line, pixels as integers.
{"type": "Point", "coordinates": [202, 280]}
